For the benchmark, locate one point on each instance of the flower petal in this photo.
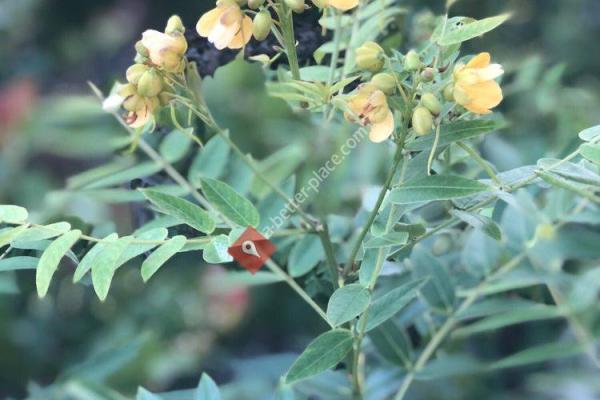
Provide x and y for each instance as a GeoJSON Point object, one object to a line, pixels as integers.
{"type": "Point", "coordinates": [244, 34]}
{"type": "Point", "coordinates": [481, 60]}
{"type": "Point", "coordinates": [207, 22]}
{"type": "Point", "coordinates": [484, 96]}
{"type": "Point", "coordinates": [381, 131]}
{"type": "Point", "coordinates": [343, 5]}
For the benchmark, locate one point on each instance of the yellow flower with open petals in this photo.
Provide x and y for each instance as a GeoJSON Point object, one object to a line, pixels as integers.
{"type": "Point", "coordinates": [370, 105]}
{"type": "Point", "coordinates": [226, 26]}
{"type": "Point", "coordinates": [474, 84]}
{"type": "Point", "coordinates": [165, 50]}
{"type": "Point", "coordinates": [342, 5]}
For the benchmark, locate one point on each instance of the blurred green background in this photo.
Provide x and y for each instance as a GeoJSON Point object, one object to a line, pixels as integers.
{"type": "Point", "coordinates": [162, 335]}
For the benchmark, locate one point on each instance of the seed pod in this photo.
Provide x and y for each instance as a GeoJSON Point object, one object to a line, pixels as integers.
{"type": "Point", "coordinates": [174, 25]}
{"type": "Point", "coordinates": [255, 4]}
{"type": "Point", "coordinates": [449, 92]}
{"type": "Point", "coordinates": [262, 25]}
{"type": "Point", "coordinates": [422, 121]}
{"type": "Point", "coordinates": [150, 83]}
{"type": "Point", "coordinates": [370, 57]}
{"type": "Point", "coordinates": [428, 74]}
{"type": "Point", "coordinates": [296, 5]}
{"type": "Point", "coordinates": [412, 61]}
{"type": "Point", "coordinates": [384, 82]}
{"type": "Point", "coordinates": [431, 102]}
{"type": "Point", "coordinates": [135, 72]}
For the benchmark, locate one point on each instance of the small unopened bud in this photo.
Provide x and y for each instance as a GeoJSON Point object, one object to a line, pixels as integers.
{"type": "Point", "coordinates": [422, 121]}
{"type": "Point", "coordinates": [141, 49]}
{"type": "Point", "coordinates": [384, 82]}
{"type": "Point", "coordinates": [174, 25]}
{"type": "Point", "coordinates": [241, 3]}
{"type": "Point", "coordinates": [441, 246]}
{"type": "Point", "coordinates": [412, 61]}
{"type": "Point", "coordinates": [254, 4]}
{"type": "Point", "coordinates": [262, 25]}
{"type": "Point", "coordinates": [431, 102]}
{"type": "Point", "coordinates": [428, 74]}
{"type": "Point", "coordinates": [545, 231]}
{"type": "Point", "coordinates": [321, 3]}
{"type": "Point", "coordinates": [150, 83]}
{"type": "Point", "coordinates": [135, 72]}
{"type": "Point", "coordinates": [127, 90]}
{"type": "Point", "coordinates": [449, 92]}
{"type": "Point", "coordinates": [297, 6]}
{"type": "Point", "coordinates": [133, 103]}
{"type": "Point", "coordinates": [370, 56]}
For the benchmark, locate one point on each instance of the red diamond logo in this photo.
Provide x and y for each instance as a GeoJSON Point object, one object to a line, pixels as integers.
{"type": "Point", "coordinates": [252, 250]}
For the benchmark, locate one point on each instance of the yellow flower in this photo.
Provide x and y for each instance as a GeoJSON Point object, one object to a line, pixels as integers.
{"type": "Point", "coordinates": [164, 50]}
{"type": "Point", "coordinates": [226, 26]}
{"type": "Point", "coordinates": [342, 5]}
{"type": "Point", "coordinates": [474, 84]}
{"type": "Point", "coordinates": [371, 107]}
{"type": "Point", "coordinates": [144, 112]}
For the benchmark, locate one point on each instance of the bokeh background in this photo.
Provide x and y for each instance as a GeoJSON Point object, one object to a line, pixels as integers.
{"type": "Point", "coordinates": [163, 334]}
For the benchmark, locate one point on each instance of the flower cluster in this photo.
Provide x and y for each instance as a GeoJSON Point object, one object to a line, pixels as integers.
{"type": "Point", "coordinates": [159, 54]}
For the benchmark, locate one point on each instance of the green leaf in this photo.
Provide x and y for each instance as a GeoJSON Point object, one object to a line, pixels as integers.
{"type": "Point", "coordinates": [215, 252]}
{"type": "Point", "coordinates": [230, 203]}
{"type": "Point", "coordinates": [472, 30]}
{"type": "Point", "coordinates": [435, 187]}
{"type": "Point", "coordinates": [13, 214]}
{"type": "Point", "coordinates": [176, 144]}
{"type": "Point", "coordinates": [478, 221]}
{"type": "Point", "coordinates": [88, 260]}
{"type": "Point", "coordinates": [449, 366]}
{"type": "Point", "coordinates": [591, 152]}
{"type": "Point", "coordinates": [136, 249]}
{"type": "Point", "coordinates": [388, 305]}
{"type": "Point", "coordinates": [43, 232]}
{"type": "Point", "coordinates": [143, 394]}
{"type": "Point", "coordinates": [392, 343]}
{"type": "Point", "coordinates": [210, 161]}
{"type": "Point", "coordinates": [106, 263]}
{"type": "Point", "coordinates": [51, 257]}
{"type": "Point", "coordinates": [321, 354]}
{"type": "Point", "coordinates": [207, 389]}
{"type": "Point", "coordinates": [439, 290]}
{"type": "Point", "coordinates": [276, 168]}
{"type": "Point", "coordinates": [455, 131]}
{"type": "Point", "coordinates": [9, 234]}
{"type": "Point", "coordinates": [18, 263]}
{"type": "Point", "coordinates": [590, 134]}
{"type": "Point", "coordinates": [185, 211]}
{"type": "Point", "coordinates": [347, 303]}
{"type": "Point", "coordinates": [140, 170]}
{"type": "Point", "coordinates": [161, 255]}
{"type": "Point", "coordinates": [305, 255]}
{"type": "Point", "coordinates": [386, 240]}
{"type": "Point", "coordinates": [538, 354]}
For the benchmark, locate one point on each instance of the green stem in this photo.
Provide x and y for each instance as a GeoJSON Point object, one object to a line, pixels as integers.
{"type": "Point", "coordinates": [482, 163]}
{"type": "Point", "coordinates": [289, 40]}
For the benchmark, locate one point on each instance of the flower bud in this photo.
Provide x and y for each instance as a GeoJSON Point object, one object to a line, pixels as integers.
{"type": "Point", "coordinates": [150, 83]}
{"type": "Point", "coordinates": [135, 72]}
{"type": "Point", "coordinates": [428, 74]}
{"type": "Point", "coordinates": [449, 92]}
{"type": "Point", "coordinates": [321, 3]}
{"type": "Point", "coordinates": [369, 57]}
{"type": "Point", "coordinates": [262, 25]}
{"type": "Point", "coordinates": [134, 103]}
{"type": "Point", "coordinates": [295, 5]}
{"type": "Point", "coordinates": [431, 102]}
{"type": "Point", "coordinates": [141, 49]}
{"type": "Point", "coordinates": [254, 4]}
{"type": "Point", "coordinates": [545, 231]}
{"type": "Point", "coordinates": [174, 25]}
{"type": "Point", "coordinates": [412, 61]}
{"type": "Point", "coordinates": [422, 121]}
{"type": "Point", "coordinates": [384, 82]}
{"type": "Point", "coordinates": [241, 3]}
{"type": "Point", "coordinates": [127, 90]}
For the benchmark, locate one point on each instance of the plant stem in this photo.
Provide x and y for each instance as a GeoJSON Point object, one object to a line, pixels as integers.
{"type": "Point", "coordinates": [289, 40]}
{"type": "Point", "coordinates": [482, 163]}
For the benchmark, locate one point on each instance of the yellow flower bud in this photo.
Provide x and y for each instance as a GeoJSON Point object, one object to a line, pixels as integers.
{"type": "Point", "coordinates": [297, 6]}
{"type": "Point", "coordinates": [166, 51]}
{"type": "Point", "coordinates": [412, 61]}
{"type": "Point", "coordinates": [174, 25]}
{"type": "Point", "coordinates": [384, 82]}
{"type": "Point", "coordinates": [449, 92]}
{"type": "Point", "coordinates": [545, 231]}
{"type": "Point", "coordinates": [134, 103]}
{"type": "Point", "coordinates": [370, 57]}
{"type": "Point", "coordinates": [422, 121]}
{"type": "Point", "coordinates": [127, 90]}
{"type": "Point", "coordinates": [150, 83]}
{"type": "Point", "coordinates": [431, 102]}
{"type": "Point", "coordinates": [135, 72]}
{"type": "Point", "coordinates": [262, 25]}
{"type": "Point", "coordinates": [141, 49]}
{"type": "Point", "coordinates": [254, 4]}
{"type": "Point", "coordinates": [321, 3]}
